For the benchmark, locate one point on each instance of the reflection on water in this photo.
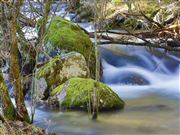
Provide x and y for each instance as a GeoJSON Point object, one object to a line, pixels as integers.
{"type": "Point", "coordinates": [146, 115]}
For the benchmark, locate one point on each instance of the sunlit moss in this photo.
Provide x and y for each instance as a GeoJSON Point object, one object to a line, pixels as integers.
{"type": "Point", "coordinates": [79, 92]}
{"type": "Point", "coordinates": [66, 35]}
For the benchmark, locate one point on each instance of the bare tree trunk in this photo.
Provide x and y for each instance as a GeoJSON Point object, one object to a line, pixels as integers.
{"type": "Point", "coordinates": [22, 113]}
{"type": "Point", "coordinates": [5, 26]}
{"type": "Point", "coordinates": [96, 85]}
{"type": "Point", "coordinates": [8, 108]}
{"type": "Point", "coordinates": [42, 30]}
{"type": "Point", "coordinates": [41, 35]}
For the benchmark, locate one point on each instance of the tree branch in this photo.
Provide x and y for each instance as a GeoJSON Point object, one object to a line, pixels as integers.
{"type": "Point", "coordinates": [167, 45]}
{"type": "Point", "coordinates": [25, 21]}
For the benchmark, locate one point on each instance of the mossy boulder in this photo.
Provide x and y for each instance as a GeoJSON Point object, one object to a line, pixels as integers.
{"type": "Point", "coordinates": [77, 93]}
{"type": "Point", "coordinates": [65, 35]}
{"type": "Point", "coordinates": [63, 67]}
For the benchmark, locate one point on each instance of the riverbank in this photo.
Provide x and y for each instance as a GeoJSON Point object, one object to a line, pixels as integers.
{"type": "Point", "coordinates": [19, 128]}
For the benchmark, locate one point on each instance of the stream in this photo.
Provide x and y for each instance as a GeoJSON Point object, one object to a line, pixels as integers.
{"type": "Point", "coordinates": [149, 85]}
{"type": "Point", "coordinates": [147, 82]}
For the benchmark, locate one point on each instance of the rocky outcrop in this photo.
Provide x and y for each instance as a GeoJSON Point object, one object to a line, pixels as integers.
{"type": "Point", "coordinates": [77, 93]}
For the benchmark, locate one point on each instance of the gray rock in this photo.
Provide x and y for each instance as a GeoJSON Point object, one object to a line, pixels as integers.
{"type": "Point", "coordinates": [62, 68]}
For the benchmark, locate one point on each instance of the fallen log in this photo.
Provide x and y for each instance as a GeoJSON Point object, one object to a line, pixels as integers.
{"type": "Point", "coordinates": [167, 45]}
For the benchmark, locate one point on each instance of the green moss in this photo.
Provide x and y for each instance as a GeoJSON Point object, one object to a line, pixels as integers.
{"type": "Point", "coordinates": [117, 1]}
{"type": "Point", "coordinates": [9, 112]}
{"type": "Point", "coordinates": [66, 35]}
{"type": "Point", "coordinates": [79, 92]}
{"type": "Point", "coordinates": [45, 70]}
{"type": "Point", "coordinates": [51, 70]}
{"type": "Point", "coordinates": [8, 108]}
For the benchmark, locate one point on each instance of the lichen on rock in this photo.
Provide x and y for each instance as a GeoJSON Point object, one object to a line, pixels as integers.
{"type": "Point", "coordinates": [63, 67]}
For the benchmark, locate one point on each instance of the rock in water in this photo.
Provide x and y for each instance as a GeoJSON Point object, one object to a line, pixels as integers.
{"type": "Point", "coordinates": [61, 68]}
{"type": "Point", "coordinates": [77, 93]}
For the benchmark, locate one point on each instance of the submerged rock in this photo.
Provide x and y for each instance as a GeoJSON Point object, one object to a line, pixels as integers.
{"type": "Point", "coordinates": [77, 93]}
{"type": "Point", "coordinates": [61, 68]}
{"type": "Point", "coordinates": [65, 35]}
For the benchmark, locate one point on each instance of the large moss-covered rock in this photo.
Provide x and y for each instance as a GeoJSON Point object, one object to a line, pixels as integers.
{"type": "Point", "coordinates": [66, 35]}
{"type": "Point", "coordinates": [61, 68]}
{"type": "Point", "coordinates": [77, 93]}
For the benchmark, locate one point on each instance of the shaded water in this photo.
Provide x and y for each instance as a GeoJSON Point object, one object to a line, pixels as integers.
{"type": "Point", "coordinates": [148, 83]}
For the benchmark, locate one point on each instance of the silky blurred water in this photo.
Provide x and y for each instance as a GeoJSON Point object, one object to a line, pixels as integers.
{"type": "Point", "coordinates": [148, 84]}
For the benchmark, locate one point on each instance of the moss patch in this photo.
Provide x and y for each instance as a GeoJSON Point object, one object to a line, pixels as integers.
{"type": "Point", "coordinates": [66, 35]}
{"type": "Point", "coordinates": [44, 71]}
{"type": "Point", "coordinates": [8, 108]}
{"type": "Point", "coordinates": [79, 93]}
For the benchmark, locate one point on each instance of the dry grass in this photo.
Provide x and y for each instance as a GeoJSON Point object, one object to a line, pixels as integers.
{"type": "Point", "coordinates": [19, 128]}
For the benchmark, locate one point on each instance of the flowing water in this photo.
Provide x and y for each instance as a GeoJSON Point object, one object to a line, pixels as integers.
{"type": "Point", "coordinates": [147, 82]}
{"type": "Point", "coordinates": [149, 85]}
{"type": "Point", "coordinates": [133, 72]}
